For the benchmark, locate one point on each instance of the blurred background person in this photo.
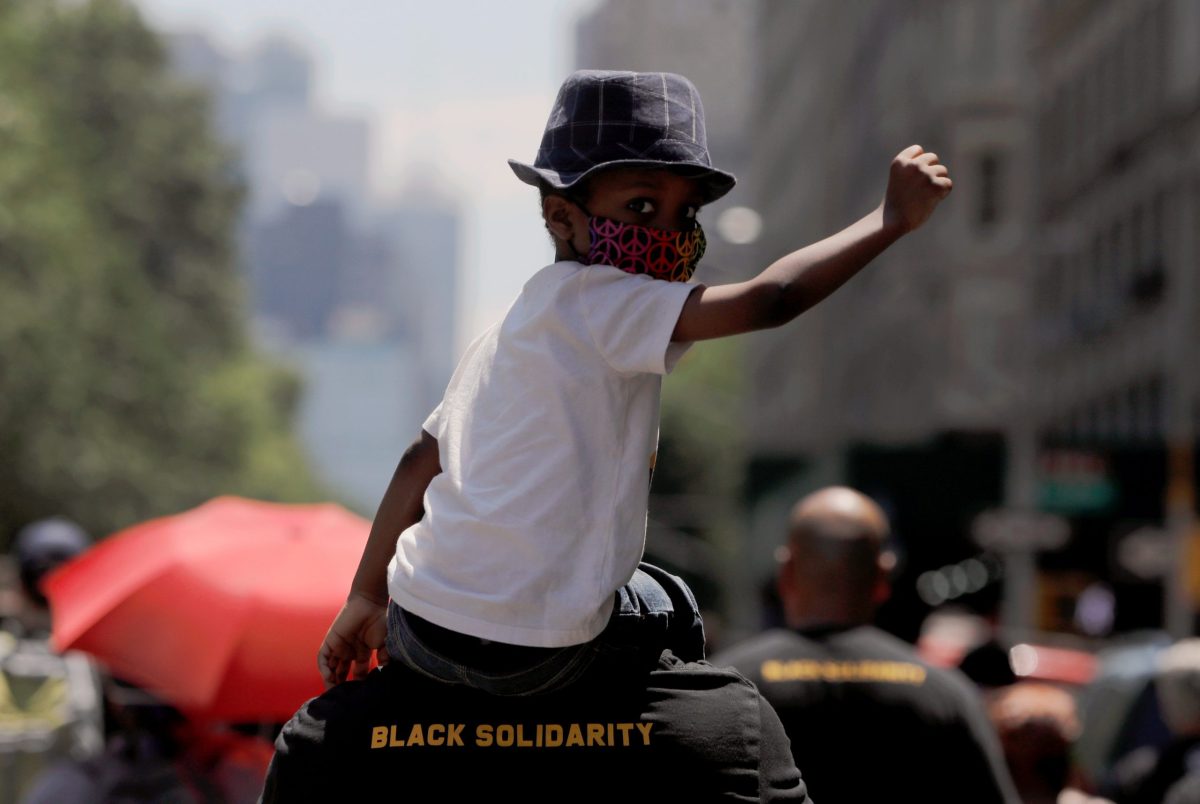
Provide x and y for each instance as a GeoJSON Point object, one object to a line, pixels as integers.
{"type": "Point", "coordinates": [153, 753]}
{"type": "Point", "coordinates": [38, 549]}
{"type": "Point", "coordinates": [50, 705]}
{"type": "Point", "coordinates": [1037, 724]}
{"type": "Point", "coordinates": [1146, 774]}
{"type": "Point", "coordinates": [1185, 791]}
{"type": "Point", "coordinates": [866, 716]}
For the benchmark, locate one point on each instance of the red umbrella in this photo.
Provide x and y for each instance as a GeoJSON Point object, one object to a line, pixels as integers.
{"type": "Point", "coordinates": [218, 610]}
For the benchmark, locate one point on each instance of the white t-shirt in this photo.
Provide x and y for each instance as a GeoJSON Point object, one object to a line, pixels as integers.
{"type": "Point", "coordinates": [546, 436]}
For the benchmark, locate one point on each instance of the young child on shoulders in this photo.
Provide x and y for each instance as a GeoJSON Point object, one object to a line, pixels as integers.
{"type": "Point", "coordinates": [515, 518]}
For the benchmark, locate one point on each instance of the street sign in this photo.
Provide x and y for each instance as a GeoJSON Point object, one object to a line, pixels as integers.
{"type": "Point", "coordinates": [1145, 553]}
{"type": "Point", "coordinates": [1008, 529]}
{"type": "Point", "coordinates": [1074, 482]}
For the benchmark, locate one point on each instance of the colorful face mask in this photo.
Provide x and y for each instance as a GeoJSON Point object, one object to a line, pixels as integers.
{"type": "Point", "coordinates": [635, 249]}
{"type": "Point", "coordinates": [660, 253]}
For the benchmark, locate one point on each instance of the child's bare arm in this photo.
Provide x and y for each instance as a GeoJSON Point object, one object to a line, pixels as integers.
{"type": "Point", "coordinates": [361, 625]}
{"type": "Point", "coordinates": [402, 506]}
{"type": "Point", "coordinates": [796, 282]}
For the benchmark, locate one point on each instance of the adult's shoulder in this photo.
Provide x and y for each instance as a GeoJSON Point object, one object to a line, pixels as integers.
{"type": "Point", "coordinates": [723, 730]}
{"type": "Point", "coordinates": [673, 673]}
{"type": "Point", "coordinates": [317, 741]}
{"type": "Point", "coordinates": [322, 717]}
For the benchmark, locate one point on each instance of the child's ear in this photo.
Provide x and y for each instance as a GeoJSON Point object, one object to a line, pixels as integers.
{"type": "Point", "coordinates": [557, 212]}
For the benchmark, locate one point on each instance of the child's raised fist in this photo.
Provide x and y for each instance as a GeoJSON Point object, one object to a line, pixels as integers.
{"type": "Point", "coordinates": [916, 183]}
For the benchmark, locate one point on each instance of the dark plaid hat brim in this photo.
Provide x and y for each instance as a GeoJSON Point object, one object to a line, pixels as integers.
{"type": "Point", "coordinates": [606, 119]}
{"type": "Point", "coordinates": [715, 183]}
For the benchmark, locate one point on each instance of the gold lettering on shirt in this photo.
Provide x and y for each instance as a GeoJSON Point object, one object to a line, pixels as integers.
{"type": "Point", "coordinates": [776, 670]}
{"type": "Point", "coordinates": [512, 735]}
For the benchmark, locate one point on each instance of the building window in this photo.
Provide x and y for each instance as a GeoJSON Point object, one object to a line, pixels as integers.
{"type": "Point", "coordinates": [1161, 33]}
{"type": "Point", "coordinates": [1046, 123]}
{"type": "Point", "coordinates": [1113, 268]}
{"type": "Point", "coordinates": [1158, 215]}
{"type": "Point", "coordinates": [1153, 410]}
{"type": "Point", "coordinates": [1148, 68]}
{"type": "Point", "coordinates": [1149, 283]}
{"type": "Point", "coordinates": [1133, 408]}
{"type": "Point", "coordinates": [988, 203]}
{"type": "Point", "coordinates": [1127, 78]}
{"type": "Point", "coordinates": [1137, 239]}
{"type": "Point", "coordinates": [1105, 88]}
{"type": "Point", "coordinates": [1090, 111]}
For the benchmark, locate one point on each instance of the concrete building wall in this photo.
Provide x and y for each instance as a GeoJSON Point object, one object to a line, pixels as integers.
{"type": "Point", "coordinates": [920, 356]}
{"type": "Point", "coordinates": [921, 341]}
{"type": "Point", "coordinates": [1117, 185]}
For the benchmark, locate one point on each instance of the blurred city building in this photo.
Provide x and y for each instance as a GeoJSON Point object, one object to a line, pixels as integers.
{"type": "Point", "coordinates": [293, 156]}
{"type": "Point", "coordinates": [1035, 346]}
{"type": "Point", "coordinates": [294, 263]}
{"type": "Point", "coordinates": [1116, 301]}
{"type": "Point", "coordinates": [357, 293]}
{"type": "Point", "coordinates": [293, 151]}
{"type": "Point", "coordinates": [359, 409]}
{"type": "Point", "coordinates": [903, 383]}
{"type": "Point", "coordinates": [421, 231]}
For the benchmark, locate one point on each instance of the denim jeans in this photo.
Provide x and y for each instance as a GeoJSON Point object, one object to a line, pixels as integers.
{"type": "Point", "coordinates": [653, 612]}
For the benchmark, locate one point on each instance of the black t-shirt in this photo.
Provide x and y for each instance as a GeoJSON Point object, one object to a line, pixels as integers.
{"type": "Point", "coordinates": [685, 730]}
{"type": "Point", "coordinates": [869, 721]}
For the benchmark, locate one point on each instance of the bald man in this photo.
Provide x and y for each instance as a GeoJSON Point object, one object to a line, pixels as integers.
{"type": "Point", "coordinates": [868, 720]}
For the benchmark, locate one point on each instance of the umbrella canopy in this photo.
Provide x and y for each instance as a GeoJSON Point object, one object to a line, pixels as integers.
{"type": "Point", "coordinates": [218, 610]}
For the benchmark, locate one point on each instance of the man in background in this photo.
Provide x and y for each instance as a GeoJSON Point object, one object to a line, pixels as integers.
{"type": "Point", "coordinates": [50, 704]}
{"type": "Point", "coordinates": [1038, 725]}
{"type": "Point", "coordinates": [1147, 774]}
{"type": "Point", "coordinates": [866, 717]}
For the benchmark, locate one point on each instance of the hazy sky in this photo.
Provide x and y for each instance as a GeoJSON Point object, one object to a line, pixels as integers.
{"type": "Point", "coordinates": [452, 88]}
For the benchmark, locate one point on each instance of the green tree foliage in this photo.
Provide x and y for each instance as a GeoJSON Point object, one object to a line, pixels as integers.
{"type": "Point", "coordinates": [701, 458]}
{"type": "Point", "coordinates": [127, 385]}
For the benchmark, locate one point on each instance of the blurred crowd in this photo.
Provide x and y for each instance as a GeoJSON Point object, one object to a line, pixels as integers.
{"type": "Point", "coordinates": [962, 716]}
{"type": "Point", "coordinates": [71, 733]}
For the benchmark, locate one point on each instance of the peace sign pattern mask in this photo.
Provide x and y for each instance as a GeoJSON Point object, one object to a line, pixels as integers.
{"type": "Point", "coordinates": [660, 253]}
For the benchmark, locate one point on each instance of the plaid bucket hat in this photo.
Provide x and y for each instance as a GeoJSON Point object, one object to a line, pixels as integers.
{"type": "Point", "coordinates": [603, 119]}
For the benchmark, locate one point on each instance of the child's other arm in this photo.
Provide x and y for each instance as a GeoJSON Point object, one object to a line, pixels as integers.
{"type": "Point", "coordinates": [796, 282]}
{"type": "Point", "coordinates": [361, 625]}
{"type": "Point", "coordinates": [402, 506]}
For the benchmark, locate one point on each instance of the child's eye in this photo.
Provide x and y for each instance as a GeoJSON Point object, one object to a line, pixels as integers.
{"type": "Point", "coordinates": [642, 205]}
